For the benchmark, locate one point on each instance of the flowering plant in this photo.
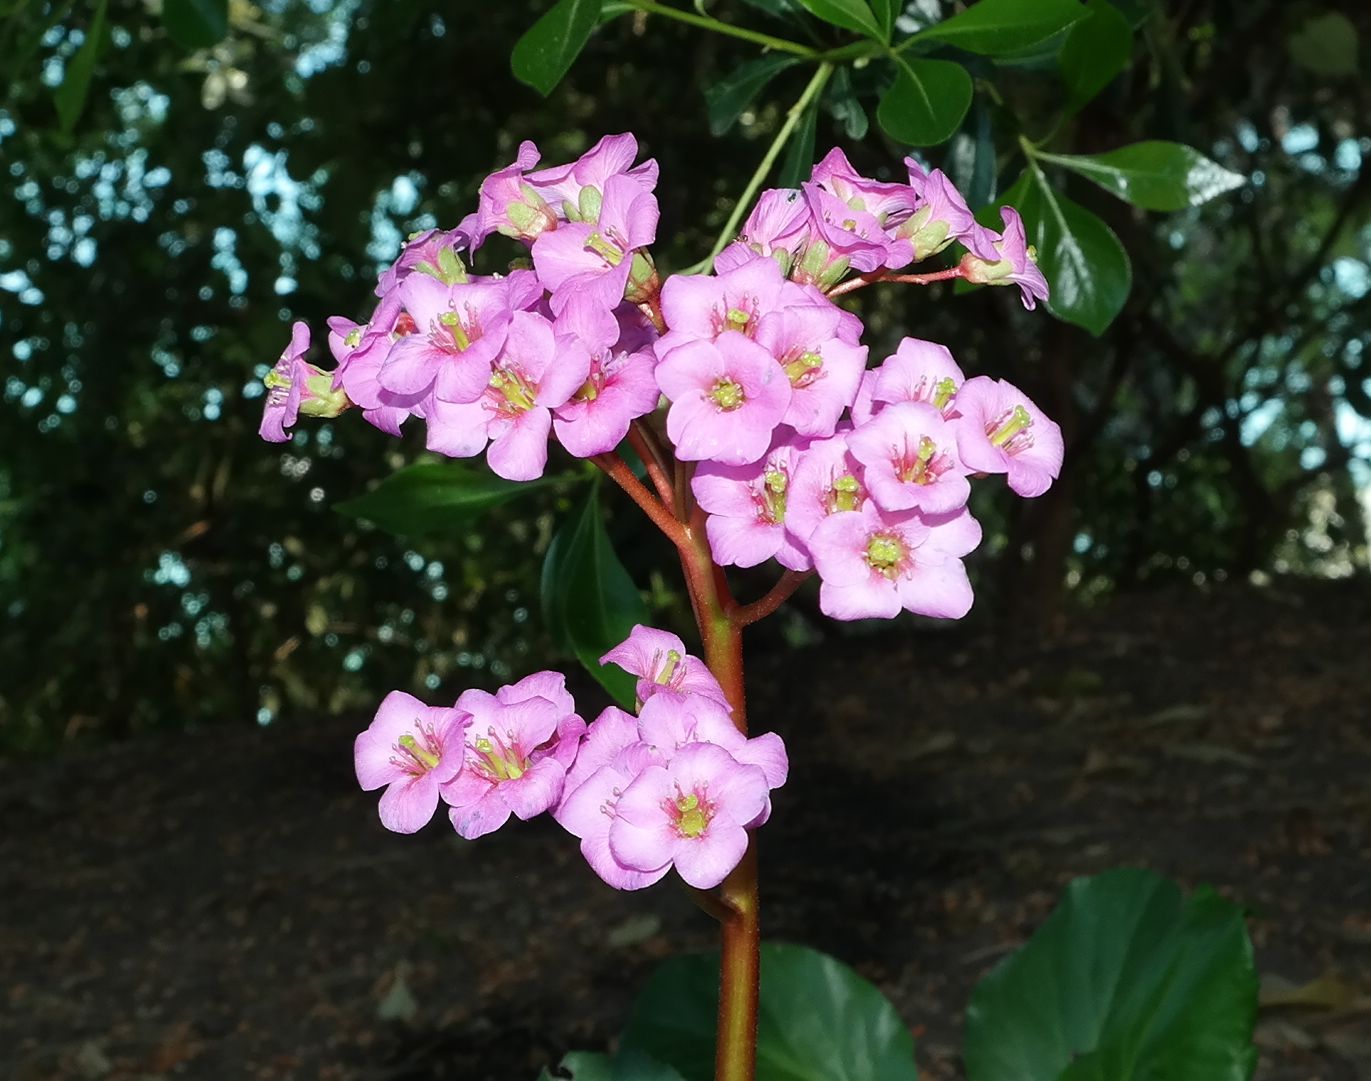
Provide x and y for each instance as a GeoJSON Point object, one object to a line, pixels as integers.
{"type": "Point", "coordinates": [762, 433]}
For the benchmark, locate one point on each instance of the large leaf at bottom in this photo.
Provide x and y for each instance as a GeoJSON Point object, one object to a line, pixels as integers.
{"type": "Point", "coordinates": [1126, 981]}
{"type": "Point", "coordinates": [589, 601]}
{"type": "Point", "coordinates": [434, 497]}
{"type": "Point", "coordinates": [817, 1021]}
{"type": "Point", "coordinates": [1086, 267]}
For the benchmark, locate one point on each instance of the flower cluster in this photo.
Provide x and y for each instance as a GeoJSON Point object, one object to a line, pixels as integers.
{"type": "Point", "coordinates": [675, 786]}
{"type": "Point", "coordinates": [800, 452]}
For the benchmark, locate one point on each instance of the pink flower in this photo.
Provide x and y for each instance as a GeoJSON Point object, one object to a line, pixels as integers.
{"type": "Point", "coordinates": [510, 205]}
{"type": "Point", "coordinates": [827, 481]}
{"type": "Point", "coordinates": [727, 397]}
{"type": "Point", "coordinates": [596, 259]}
{"type": "Point", "coordinates": [361, 350]}
{"type": "Point", "coordinates": [1011, 260]}
{"type": "Point", "coordinates": [435, 252]}
{"type": "Point", "coordinates": [565, 186]}
{"type": "Point", "coordinates": [691, 814]}
{"type": "Point", "coordinates": [701, 307]}
{"type": "Point", "coordinates": [666, 725]}
{"type": "Point", "coordinates": [918, 371]}
{"type": "Point", "coordinates": [778, 228]}
{"type": "Point", "coordinates": [999, 430]}
{"type": "Point", "coordinates": [873, 564]}
{"type": "Point", "coordinates": [610, 758]}
{"type": "Point", "coordinates": [535, 373]}
{"type": "Point", "coordinates": [889, 203]}
{"type": "Point", "coordinates": [619, 387]}
{"type": "Point", "coordinates": [822, 367]}
{"type": "Point", "coordinates": [844, 239]}
{"type": "Point", "coordinates": [941, 216]}
{"type": "Point", "coordinates": [413, 750]}
{"type": "Point", "coordinates": [519, 746]}
{"type": "Point", "coordinates": [910, 458]}
{"type": "Point", "coordinates": [747, 508]}
{"type": "Point", "coordinates": [663, 667]}
{"type": "Point", "coordinates": [460, 330]}
{"type": "Point", "coordinates": [286, 386]}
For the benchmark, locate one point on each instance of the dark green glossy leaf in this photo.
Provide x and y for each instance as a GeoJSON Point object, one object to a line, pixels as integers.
{"type": "Point", "coordinates": [798, 162]}
{"type": "Point", "coordinates": [549, 47]}
{"type": "Point", "coordinates": [817, 1021]}
{"type": "Point", "coordinates": [971, 161]}
{"type": "Point", "coordinates": [70, 97]}
{"type": "Point", "coordinates": [849, 14]}
{"type": "Point", "coordinates": [727, 98]}
{"type": "Point", "coordinates": [1097, 49]}
{"type": "Point", "coordinates": [886, 12]}
{"type": "Point", "coordinates": [434, 497]}
{"type": "Point", "coordinates": [1126, 980]}
{"type": "Point", "coordinates": [926, 103]}
{"type": "Point", "coordinates": [1326, 45]}
{"type": "Point", "coordinates": [994, 27]}
{"type": "Point", "coordinates": [589, 601]}
{"type": "Point", "coordinates": [1153, 175]}
{"type": "Point", "coordinates": [196, 24]}
{"type": "Point", "coordinates": [1086, 267]}
{"type": "Point", "coordinates": [844, 105]}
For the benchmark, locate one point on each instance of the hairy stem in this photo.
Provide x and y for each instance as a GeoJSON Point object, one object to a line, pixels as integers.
{"type": "Point", "coordinates": [706, 22]}
{"type": "Point", "coordinates": [861, 282]}
{"type": "Point", "coordinates": [638, 438]}
{"type": "Point", "coordinates": [618, 471]}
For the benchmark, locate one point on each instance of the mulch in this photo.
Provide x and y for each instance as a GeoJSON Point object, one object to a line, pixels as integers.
{"type": "Point", "coordinates": [224, 904]}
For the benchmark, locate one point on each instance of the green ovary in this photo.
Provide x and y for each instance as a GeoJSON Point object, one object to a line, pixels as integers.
{"type": "Point", "coordinates": [727, 395]}
{"type": "Point", "coordinates": [694, 817]}
{"type": "Point", "coordinates": [884, 553]}
{"type": "Point", "coordinates": [1009, 425]}
{"type": "Point", "coordinates": [453, 322]}
{"type": "Point", "coordinates": [420, 754]}
{"type": "Point", "coordinates": [500, 764]}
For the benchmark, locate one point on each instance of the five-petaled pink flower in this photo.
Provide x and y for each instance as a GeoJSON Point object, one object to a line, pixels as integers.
{"type": "Point", "coordinates": [663, 667]}
{"type": "Point", "coordinates": [519, 744]}
{"type": "Point", "coordinates": [999, 430]}
{"type": "Point", "coordinates": [691, 814]}
{"type": "Point", "coordinates": [413, 750]}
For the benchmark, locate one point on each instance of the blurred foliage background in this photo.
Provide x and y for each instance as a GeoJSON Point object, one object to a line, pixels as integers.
{"type": "Point", "coordinates": [162, 568]}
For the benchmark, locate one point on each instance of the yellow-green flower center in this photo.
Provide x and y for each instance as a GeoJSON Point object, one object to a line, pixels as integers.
{"type": "Point", "coordinates": [727, 395]}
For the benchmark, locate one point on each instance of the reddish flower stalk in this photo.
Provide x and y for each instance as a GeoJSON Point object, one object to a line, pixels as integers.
{"type": "Point", "coordinates": [861, 282]}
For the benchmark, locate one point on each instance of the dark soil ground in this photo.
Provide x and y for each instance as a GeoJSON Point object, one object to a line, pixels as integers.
{"type": "Point", "coordinates": [226, 905]}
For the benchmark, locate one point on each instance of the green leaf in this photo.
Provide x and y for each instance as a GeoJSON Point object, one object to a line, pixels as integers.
{"type": "Point", "coordinates": [778, 8]}
{"type": "Point", "coordinates": [1153, 175]}
{"type": "Point", "coordinates": [844, 105]}
{"type": "Point", "coordinates": [591, 1066]}
{"type": "Point", "coordinates": [70, 97]}
{"type": "Point", "coordinates": [885, 12]}
{"type": "Point", "coordinates": [995, 27]}
{"type": "Point", "coordinates": [549, 47]}
{"type": "Point", "coordinates": [1083, 261]}
{"type": "Point", "coordinates": [926, 103]}
{"type": "Point", "coordinates": [798, 162]}
{"type": "Point", "coordinates": [196, 24]}
{"type": "Point", "coordinates": [970, 161]}
{"type": "Point", "coordinates": [817, 1020]}
{"type": "Point", "coordinates": [589, 602]}
{"type": "Point", "coordinates": [850, 15]}
{"type": "Point", "coordinates": [1097, 49]}
{"type": "Point", "coordinates": [727, 98]}
{"type": "Point", "coordinates": [435, 497]}
{"type": "Point", "coordinates": [1326, 45]}
{"type": "Point", "coordinates": [1126, 979]}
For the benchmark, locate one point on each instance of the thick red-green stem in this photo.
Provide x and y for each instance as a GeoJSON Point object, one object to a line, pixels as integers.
{"type": "Point", "coordinates": [721, 629]}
